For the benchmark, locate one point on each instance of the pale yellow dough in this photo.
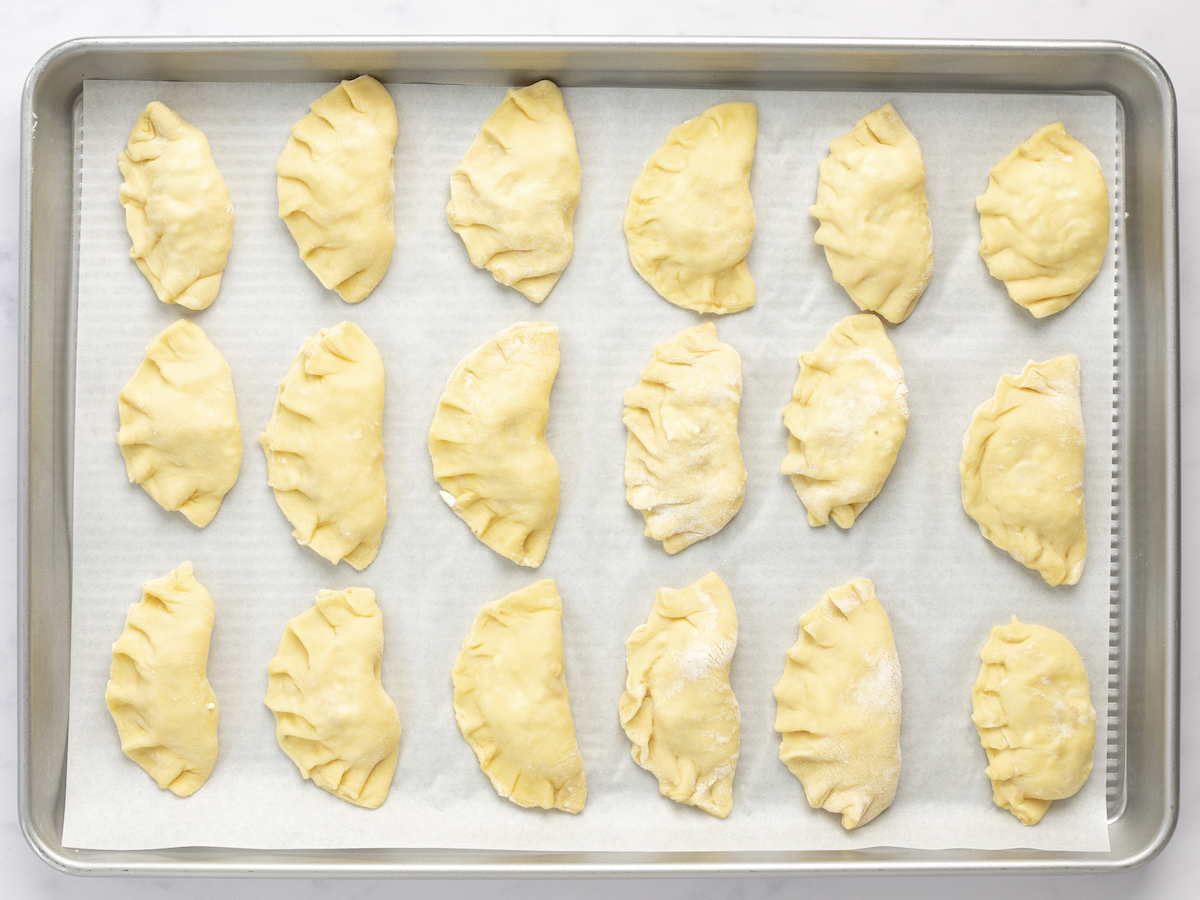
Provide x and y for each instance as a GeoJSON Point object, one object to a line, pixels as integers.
{"type": "Point", "coordinates": [177, 208]}
{"type": "Point", "coordinates": [690, 218]}
{"type": "Point", "coordinates": [846, 421]}
{"type": "Point", "coordinates": [1044, 220]}
{"type": "Point", "coordinates": [336, 189]}
{"type": "Point", "coordinates": [488, 442]}
{"type": "Point", "coordinates": [874, 215]}
{"type": "Point", "coordinates": [179, 427]}
{"type": "Point", "coordinates": [1035, 718]}
{"type": "Point", "coordinates": [332, 715]}
{"type": "Point", "coordinates": [324, 446]}
{"type": "Point", "coordinates": [678, 709]}
{"type": "Point", "coordinates": [683, 461]}
{"type": "Point", "coordinates": [1022, 469]}
{"type": "Point", "coordinates": [511, 702]}
{"type": "Point", "coordinates": [158, 691]}
{"type": "Point", "coordinates": [839, 705]}
{"type": "Point", "coordinates": [513, 196]}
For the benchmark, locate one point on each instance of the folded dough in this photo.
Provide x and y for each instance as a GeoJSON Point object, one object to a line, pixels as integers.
{"type": "Point", "coordinates": [839, 705]}
{"type": "Point", "coordinates": [683, 461]}
{"type": "Point", "coordinates": [677, 709]}
{"type": "Point", "coordinates": [1022, 469]}
{"type": "Point", "coordinates": [513, 196]}
{"type": "Point", "coordinates": [177, 208]}
{"type": "Point", "coordinates": [488, 442]}
{"type": "Point", "coordinates": [511, 703]}
{"type": "Point", "coordinates": [324, 446]}
{"type": "Point", "coordinates": [690, 218]}
{"type": "Point", "coordinates": [332, 715]}
{"type": "Point", "coordinates": [1044, 220]}
{"type": "Point", "coordinates": [158, 690]}
{"type": "Point", "coordinates": [1035, 718]}
{"type": "Point", "coordinates": [846, 421]}
{"type": "Point", "coordinates": [874, 215]}
{"type": "Point", "coordinates": [336, 189]}
{"type": "Point", "coordinates": [179, 427]}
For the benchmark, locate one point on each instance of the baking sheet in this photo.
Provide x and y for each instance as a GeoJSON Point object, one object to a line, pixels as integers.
{"type": "Point", "coordinates": [942, 584]}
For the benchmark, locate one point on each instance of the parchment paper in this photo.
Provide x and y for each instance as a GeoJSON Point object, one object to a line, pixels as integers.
{"type": "Point", "coordinates": [942, 584]}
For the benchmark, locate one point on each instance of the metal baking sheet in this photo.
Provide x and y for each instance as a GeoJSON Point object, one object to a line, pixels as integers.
{"type": "Point", "coordinates": [661, 65]}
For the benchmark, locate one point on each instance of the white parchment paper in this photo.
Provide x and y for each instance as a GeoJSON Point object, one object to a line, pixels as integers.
{"type": "Point", "coordinates": [941, 583]}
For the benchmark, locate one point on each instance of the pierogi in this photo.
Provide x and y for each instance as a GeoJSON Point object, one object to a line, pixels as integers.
{"type": "Point", "coordinates": [511, 701]}
{"type": "Point", "coordinates": [677, 709]}
{"type": "Point", "coordinates": [324, 446]}
{"type": "Point", "coordinates": [874, 215]}
{"type": "Point", "coordinates": [179, 433]}
{"type": "Point", "coordinates": [177, 208]}
{"type": "Point", "coordinates": [1044, 220]}
{"type": "Point", "coordinates": [336, 188]}
{"type": "Point", "coordinates": [846, 421]}
{"type": "Point", "coordinates": [488, 442]}
{"type": "Point", "coordinates": [1022, 469]}
{"type": "Point", "coordinates": [158, 691]}
{"type": "Point", "coordinates": [513, 196]}
{"type": "Point", "coordinates": [683, 460]}
{"type": "Point", "coordinates": [690, 219]}
{"type": "Point", "coordinates": [332, 715]}
{"type": "Point", "coordinates": [839, 705]}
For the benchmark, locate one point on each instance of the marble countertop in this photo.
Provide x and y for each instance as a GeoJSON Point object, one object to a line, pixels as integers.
{"type": "Point", "coordinates": [1157, 26]}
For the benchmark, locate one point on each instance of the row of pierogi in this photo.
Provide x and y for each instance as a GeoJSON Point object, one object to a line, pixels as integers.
{"type": "Point", "coordinates": [689, 222]}
{"type": "Point", "coordinates": [841, 688]}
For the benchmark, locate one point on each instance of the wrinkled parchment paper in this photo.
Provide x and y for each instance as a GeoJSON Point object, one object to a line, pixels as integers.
{"type": "Point", "coordinates": [942, 584]}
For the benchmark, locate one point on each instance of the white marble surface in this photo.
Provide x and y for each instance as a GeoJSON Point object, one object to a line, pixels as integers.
{"type": "Point", "coordinates": [1159, 26]}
